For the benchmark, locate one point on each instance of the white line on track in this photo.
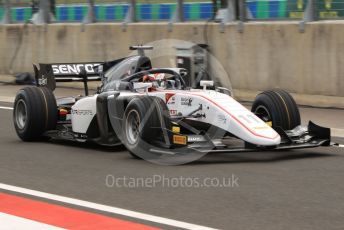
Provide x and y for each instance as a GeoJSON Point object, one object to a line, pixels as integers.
{"type": "Point", "coordinates": [10, 222]}
{"type": "Point", "coordinates": [7, 108]}
{"type": "Point", "coordinates": [105, 208]}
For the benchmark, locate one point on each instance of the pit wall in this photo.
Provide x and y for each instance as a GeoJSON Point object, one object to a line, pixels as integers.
{"type": "Point", "coordinates": [265, 55]}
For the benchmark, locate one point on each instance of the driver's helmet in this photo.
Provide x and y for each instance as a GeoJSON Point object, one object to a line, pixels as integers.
{"type": "Point", "coordinates": [148, 78]}
{"type": "Point", "coordinates": [156, 79]}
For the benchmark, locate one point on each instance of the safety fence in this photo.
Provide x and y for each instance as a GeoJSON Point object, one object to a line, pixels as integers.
{"type": "Point", "coordinates": [163, 10]}
{"type": "Point", "coordinates": [294, 9]}
{"type": "Point", "coordinates": [193, 11]}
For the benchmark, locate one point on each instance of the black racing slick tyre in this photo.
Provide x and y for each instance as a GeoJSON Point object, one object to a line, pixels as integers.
{"type": "Point", "coordinates": [277, 108]}
{"type": "Point", "coordinates": [35, 112]}
{"type": "Point", "coordinates": [143, 121]}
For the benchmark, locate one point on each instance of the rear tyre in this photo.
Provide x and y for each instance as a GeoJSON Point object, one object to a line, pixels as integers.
{"type": "Point", "coordinates": [143, 120]}
{"type": "Point", "coordinates": [35, 112]}
{"type": "Point", "coordinates": [277, 108]}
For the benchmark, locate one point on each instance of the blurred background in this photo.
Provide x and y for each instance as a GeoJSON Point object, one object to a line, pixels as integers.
{"type": "Point", "coordinates": [162, 10]}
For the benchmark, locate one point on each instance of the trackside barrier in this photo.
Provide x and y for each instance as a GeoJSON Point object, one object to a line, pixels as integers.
{"type": "Point", "coordinates": [89, 11]}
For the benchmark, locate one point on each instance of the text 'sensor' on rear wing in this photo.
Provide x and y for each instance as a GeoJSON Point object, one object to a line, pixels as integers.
{"type": "Point", "coordinates": [48, 74]}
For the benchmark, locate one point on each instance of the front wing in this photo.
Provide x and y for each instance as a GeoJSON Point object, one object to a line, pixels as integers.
{"type": "Point", "coordinates": [299, 138]}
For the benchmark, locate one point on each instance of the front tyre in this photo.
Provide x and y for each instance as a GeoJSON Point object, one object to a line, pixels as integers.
{"type": "Point", "coordinates": [143, 121]}
{"type": "Point", "coordinates": [277, 108]}
{"type": "Point", "coordinates": [35, 112]}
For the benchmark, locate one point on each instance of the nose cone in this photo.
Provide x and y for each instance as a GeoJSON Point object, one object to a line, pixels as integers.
{"type": "Point", "coordinates": [264, 141]}
{"type": "Point", "coordinates": [253, 130]}
{"type": "Point", "coordinates": [265, 135]}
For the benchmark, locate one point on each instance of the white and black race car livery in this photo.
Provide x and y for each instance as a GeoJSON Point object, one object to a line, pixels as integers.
{"type": "Point", "coordinates": [156, 115]}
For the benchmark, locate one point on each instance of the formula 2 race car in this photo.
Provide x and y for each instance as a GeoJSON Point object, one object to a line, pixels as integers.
{"type": "Point", "coordinates": [156, 115]}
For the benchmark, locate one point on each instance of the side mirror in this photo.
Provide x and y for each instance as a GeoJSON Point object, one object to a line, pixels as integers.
{"type": "Point", "coordinates": [204, 84]}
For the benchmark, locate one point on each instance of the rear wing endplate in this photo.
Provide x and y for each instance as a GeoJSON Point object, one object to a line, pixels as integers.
{"type": "Point", "coordinates": [48, 74]}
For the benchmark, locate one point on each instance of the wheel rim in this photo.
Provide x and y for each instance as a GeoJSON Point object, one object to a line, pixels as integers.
{"type": "Point", "coordinates": [263, 113]}
{"type": "Point", "coordinates": [21, 114]}
{"type": "Point", "coordinates": [133, 127]}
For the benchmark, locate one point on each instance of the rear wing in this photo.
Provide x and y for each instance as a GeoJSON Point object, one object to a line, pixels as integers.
{"type": "Point", "coordinates": [48, 74]}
